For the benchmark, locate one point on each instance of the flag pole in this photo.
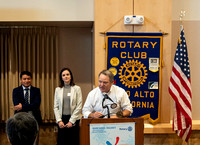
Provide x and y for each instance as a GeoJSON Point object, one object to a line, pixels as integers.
{"type": "Point", "coordinates": [181, 92]}
{"type": "Point", "coordinates": [182, 14]}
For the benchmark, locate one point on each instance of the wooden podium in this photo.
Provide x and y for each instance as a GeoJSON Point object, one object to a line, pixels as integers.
{"type": "Point", "coordinates": [85, 128]}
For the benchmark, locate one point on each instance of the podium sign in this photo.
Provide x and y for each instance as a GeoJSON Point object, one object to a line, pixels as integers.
{"type": "Point", "coordinates": [135, 60]}
{"type": "Point", "coordinates": [86, 123]}
{"type": "Point", "coordinates": [112, 134]}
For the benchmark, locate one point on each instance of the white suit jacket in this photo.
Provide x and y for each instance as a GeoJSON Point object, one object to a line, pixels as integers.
{"type": "Point", "coordinates": [75, 103]}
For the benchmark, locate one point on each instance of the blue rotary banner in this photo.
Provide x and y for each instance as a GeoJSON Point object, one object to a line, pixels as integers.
{"type": "Point", "coordinates": [135, 60]}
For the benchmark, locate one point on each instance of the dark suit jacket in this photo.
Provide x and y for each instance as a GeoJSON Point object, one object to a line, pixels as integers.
{"type": "Point", "coordinates": [35, 100]}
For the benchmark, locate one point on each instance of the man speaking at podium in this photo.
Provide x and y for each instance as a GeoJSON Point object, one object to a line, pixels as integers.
{"type": "Point", "coordinates": [107, 100]}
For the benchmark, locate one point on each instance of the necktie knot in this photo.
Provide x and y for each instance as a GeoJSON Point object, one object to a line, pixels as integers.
{"type": "Point", "coordinates": [26, 89]}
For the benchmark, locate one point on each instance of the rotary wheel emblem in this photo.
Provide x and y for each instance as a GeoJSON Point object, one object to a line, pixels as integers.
{"type": "Point", "coordinates": [133, 74]}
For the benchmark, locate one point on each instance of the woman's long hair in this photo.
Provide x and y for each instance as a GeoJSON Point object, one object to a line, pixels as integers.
{"type": "Point", "coordinates": [71, 81]}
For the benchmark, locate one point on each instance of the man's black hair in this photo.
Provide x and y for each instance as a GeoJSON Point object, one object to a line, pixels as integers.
{"type": "Point", "coordinates": [25, 73]}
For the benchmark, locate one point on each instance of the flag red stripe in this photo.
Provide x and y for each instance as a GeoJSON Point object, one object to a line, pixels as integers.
{"type": "Point", "coordinates": [177, 73]}
{"type": "Point", "coordinates": [177, 99]}
{"type": "Point", "coordinates": [178, 110]}
{"type": "Point", "coordinates": [179, 123]}
{"type": "Point", "coordinates": [182, 96]}
{"type": "Point", "coordinates": [188, 135]}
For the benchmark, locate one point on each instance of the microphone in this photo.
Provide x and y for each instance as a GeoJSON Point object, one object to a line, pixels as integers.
{"type": "Point", "coordinates": [113, 105]}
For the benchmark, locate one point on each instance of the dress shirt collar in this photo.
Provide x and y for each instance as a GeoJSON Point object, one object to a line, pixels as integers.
{"type": "Point", "coordinates": [26, 87]}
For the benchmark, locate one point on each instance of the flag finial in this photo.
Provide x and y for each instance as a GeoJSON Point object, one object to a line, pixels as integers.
{"type": "Point", "coordinates": [182, 14]}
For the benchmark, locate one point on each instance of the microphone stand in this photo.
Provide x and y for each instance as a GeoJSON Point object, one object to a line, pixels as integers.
{"type": "Point", "coordinates": [106, 106]}
{"type": "Point", "coordinates": [108, 111]}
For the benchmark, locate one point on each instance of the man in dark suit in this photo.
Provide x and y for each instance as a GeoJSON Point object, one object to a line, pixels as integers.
{"type": "Point", "coordinates": [27, 98]}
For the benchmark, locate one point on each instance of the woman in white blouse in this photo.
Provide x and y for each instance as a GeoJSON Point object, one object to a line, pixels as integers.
{"type": "Point", "coordinates": [67, 108]}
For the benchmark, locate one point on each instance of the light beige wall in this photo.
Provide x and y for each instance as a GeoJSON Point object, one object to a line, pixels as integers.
{"type": "Point", "coordinates": [108, 17]}
{"type": "Point", "coordinates": [75, 45]}
{"type": "Point", "coordinates": [191, 7]}
{"type": "Point", "coordinates": [46, 10]}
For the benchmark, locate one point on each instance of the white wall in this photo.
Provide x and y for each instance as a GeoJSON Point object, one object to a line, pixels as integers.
{"type": "Point", "coordinates": [46, 10]}
{"type": "Point", "coordinates": [191, 7]}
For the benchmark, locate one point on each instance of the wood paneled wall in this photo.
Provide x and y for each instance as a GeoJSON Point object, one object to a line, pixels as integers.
{"type": "Point", "coordinates": [157, 15]}
{"type": "Point", "coordinates": [109, 16]}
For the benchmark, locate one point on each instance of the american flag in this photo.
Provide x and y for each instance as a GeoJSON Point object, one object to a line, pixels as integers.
{"type": "Point", "coordinates": [180, 90]}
